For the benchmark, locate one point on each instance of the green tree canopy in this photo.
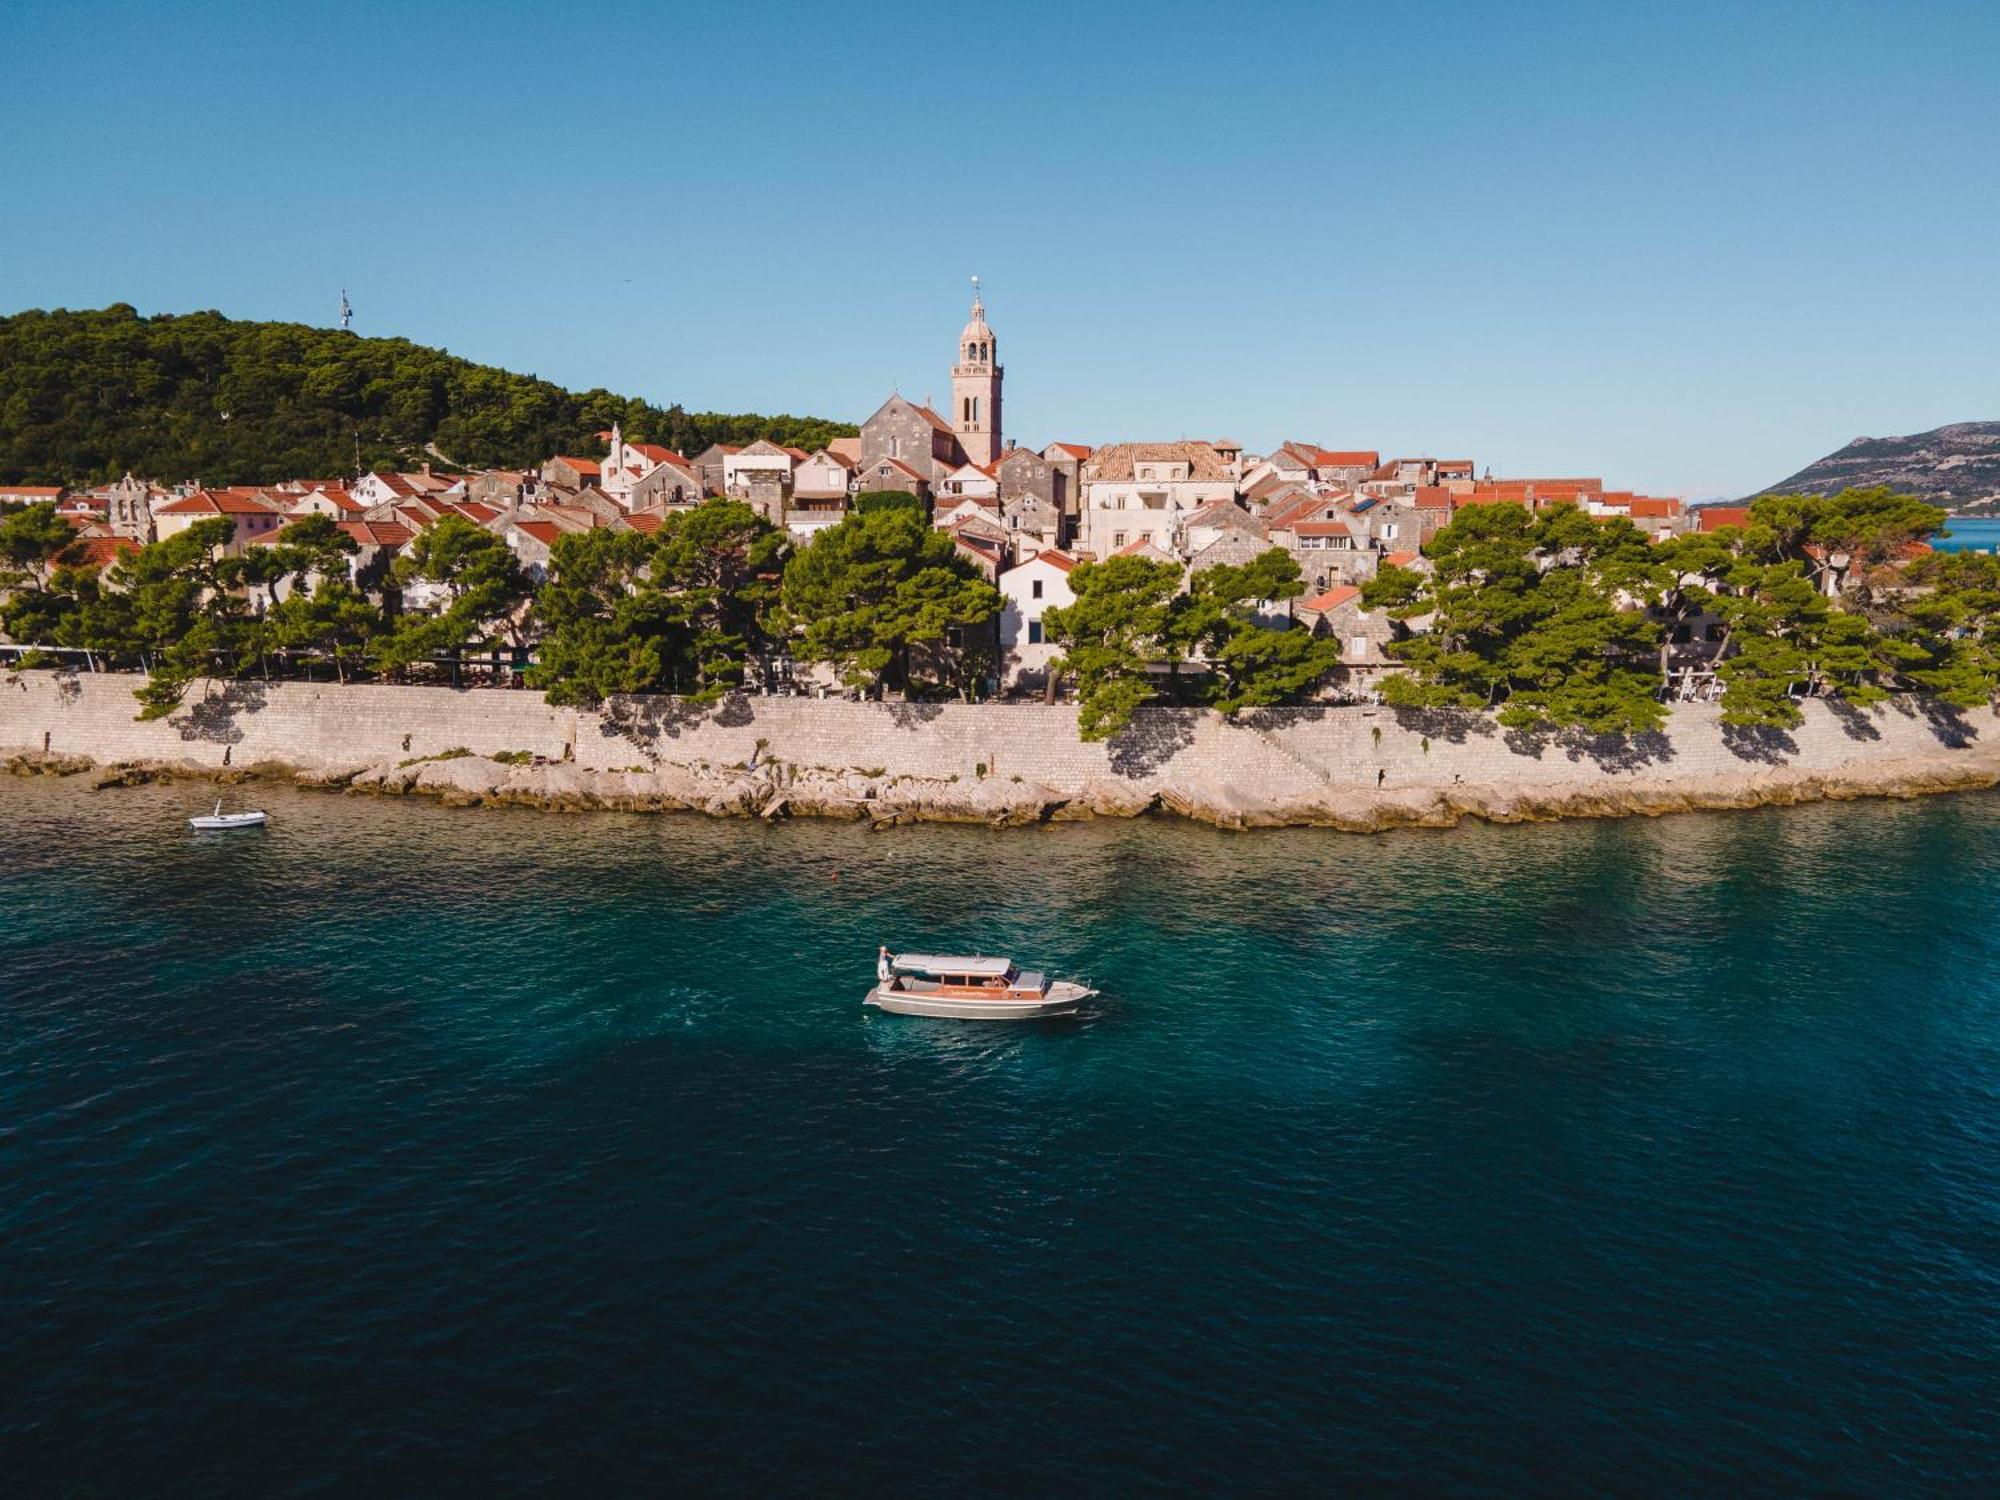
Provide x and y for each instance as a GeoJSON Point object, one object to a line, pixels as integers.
{"type": "Point", "coordinates": [89, 395]}
{"type": "Point", "coordinates": [1530, 613]}
{"type": "Point", "coordinates": [1114, 637]}
{"type": "Point", "coordinates": [889, 600]}
{"type": "Point", "coordinates": [482, 587]}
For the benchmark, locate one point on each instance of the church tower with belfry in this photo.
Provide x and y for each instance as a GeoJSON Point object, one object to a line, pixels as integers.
{"type": "Point", "coordinates": [975, 387]}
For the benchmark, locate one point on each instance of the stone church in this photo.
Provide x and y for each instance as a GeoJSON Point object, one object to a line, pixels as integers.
{"type": "Point", "coordinates": [907, 446]}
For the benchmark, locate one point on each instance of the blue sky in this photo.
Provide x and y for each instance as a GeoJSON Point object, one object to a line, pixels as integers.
{"type": "Point", "coordinates": [1687, 246]}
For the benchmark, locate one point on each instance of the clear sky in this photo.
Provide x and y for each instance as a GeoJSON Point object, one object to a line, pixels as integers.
{"type": "Point", "coordinates": [1688, 245]}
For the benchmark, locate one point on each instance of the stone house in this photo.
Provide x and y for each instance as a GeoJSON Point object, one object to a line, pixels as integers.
{"type": "Point", "coordinates": [504, 489]}
{"type": "Point", "coordinates": [1231, 549]}
{"type": "Point", "coordinates": [1327, 552]}
{"type": "Point", "coordinates": [893, 474]}
{"type": "Point", "coordinates": [760, 466]}
{"type": "Point", "coordinates": [674, 482]}
{"type": "Point", "coordinates": [1364, 636]}
{"type": "Point", "coordinates": [709, 466]}
{"type": "Point", "coordinates": [1022, 472]}
{"type": "Point", "coordinates": [1067, 460]}
{"type": "Point", "coordinates": [566, 473]}
{"type": "Point", "coordinates": [1215, 520]}
{"type": "Point", "coordinates": [1033, 524]}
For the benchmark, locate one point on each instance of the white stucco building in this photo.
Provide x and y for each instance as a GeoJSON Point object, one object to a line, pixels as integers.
{"type": "Point", "coordinates": [1029, 590]}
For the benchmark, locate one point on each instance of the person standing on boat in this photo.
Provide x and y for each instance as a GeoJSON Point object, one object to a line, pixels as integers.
{"type": "Point", "coordinates": [883, 971]}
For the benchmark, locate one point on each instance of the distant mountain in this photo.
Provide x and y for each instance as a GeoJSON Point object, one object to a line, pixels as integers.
{"type": "Point", "coordinates": [1957, 467]}
{"type": "Point", "coordinates": [89, 395]}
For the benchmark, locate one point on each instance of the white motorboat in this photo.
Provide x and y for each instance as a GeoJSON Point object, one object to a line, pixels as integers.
{"type": "Point", "coordinates": [969, 988]}
{"type": "Point", "coordinates": [221, 822]}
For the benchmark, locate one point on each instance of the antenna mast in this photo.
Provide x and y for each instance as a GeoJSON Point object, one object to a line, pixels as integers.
{"type": "Point", "coordinates": [346, 312]}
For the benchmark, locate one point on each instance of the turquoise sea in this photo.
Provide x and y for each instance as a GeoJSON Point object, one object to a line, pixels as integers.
{"type": "Point", "coordinates": [1971, 535]}
{"type": "Point", "coordinates": [401, 1150]}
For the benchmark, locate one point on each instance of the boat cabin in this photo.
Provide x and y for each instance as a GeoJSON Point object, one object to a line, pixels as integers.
{"type": "Point", "coordinates": [960, 975]}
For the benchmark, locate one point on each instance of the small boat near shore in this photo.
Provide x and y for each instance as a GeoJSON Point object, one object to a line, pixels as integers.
{"type": "Point", "coordinates": [222, 822]}
{"type": "Point", "coordinates": [969, 987]}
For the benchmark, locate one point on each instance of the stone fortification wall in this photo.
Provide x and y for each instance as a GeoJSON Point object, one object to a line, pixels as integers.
{"type": "Point", "coordinates": [1355, 767]}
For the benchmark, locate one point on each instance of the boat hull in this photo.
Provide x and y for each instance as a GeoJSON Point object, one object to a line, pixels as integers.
{"type": "Point", "coordinates": [1062, 999]}
{"type": "Point", "coordinates": [226, 822]}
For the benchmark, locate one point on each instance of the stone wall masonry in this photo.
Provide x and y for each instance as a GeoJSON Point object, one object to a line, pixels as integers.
{"type": "Point", "coordinates": [1347, 767]}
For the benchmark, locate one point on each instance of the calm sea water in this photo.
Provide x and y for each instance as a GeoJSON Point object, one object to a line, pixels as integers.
{"type": "Point", "coordinates": [403, 1150]}
{"type": "Point", "coordinates": [1971, 534]}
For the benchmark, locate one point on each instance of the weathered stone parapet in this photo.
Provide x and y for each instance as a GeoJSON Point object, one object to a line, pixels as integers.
{"type": "Point", "coordinates": [1000, 764]}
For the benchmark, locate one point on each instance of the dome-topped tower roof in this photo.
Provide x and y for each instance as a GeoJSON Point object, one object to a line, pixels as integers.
{"type": "Point", "coordinates": [976, 330]}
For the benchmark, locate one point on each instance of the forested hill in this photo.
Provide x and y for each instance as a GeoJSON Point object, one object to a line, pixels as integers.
{"type": "Point", "coordinates": [1957, 467]}
{"type": "Point", "coordinates": [89, 395]}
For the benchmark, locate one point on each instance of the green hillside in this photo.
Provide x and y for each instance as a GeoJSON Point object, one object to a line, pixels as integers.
{"type": "Point", "coordinates": [89, 395]}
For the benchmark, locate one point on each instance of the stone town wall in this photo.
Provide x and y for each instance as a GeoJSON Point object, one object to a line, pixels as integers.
{"type": "Point", "coordinates": [1314, 764]}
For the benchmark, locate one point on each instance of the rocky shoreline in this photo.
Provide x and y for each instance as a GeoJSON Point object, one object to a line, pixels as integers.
{"type": "Point", "coordinates": [775, 790]}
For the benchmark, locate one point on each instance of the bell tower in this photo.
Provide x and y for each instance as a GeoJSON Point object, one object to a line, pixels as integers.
{"type": "Point", "coordinates": [975, 387]}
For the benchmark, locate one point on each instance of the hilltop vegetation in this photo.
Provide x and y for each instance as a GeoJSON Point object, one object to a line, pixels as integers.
{"type": "Point", "coordinates": [87, 396]}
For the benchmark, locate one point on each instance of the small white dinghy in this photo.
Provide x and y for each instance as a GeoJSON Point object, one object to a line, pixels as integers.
{"type": "Point", "coordinates": [221, 822]}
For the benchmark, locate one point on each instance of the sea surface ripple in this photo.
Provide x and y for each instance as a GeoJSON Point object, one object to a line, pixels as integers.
{"type": "Point", "coordinates": [397, 1149]}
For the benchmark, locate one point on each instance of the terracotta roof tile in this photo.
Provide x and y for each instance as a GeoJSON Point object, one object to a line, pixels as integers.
{"type": "Point", "coordinates": [1333, 598]}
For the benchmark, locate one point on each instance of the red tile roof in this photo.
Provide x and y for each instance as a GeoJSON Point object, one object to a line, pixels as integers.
{"type": "Point", "coordinates": [658, 454]}
{"type": "Point", "coordinates": [1341, 459]}
{"type": "Point", "coordinates": [378, 533]}
{"type": "Point", "coordinates": [46, 491]}
{"type": "Point", "coordinates": [645, 521]}
{"type": "Point", "coordinates": [1333, 598]}
{"type": "Point", "coordinates": [1078, 451]}
{"type": "Point", "coordinates": [544, 532]}
{"type": "Point", "coordinates": [1058, 559]}
{"type": "Point", "coordinates": [1402, 559]}
{"type": "Point", "coordinates": [1715, 517]}
{"type": "Point", "coordinates": [581, 465]}
{"type": "Point", "coordinates": [218, 503]}
{"type": "Point", "coordinates": [96, 551]}
{"type": "Point", "coordinates": [1320, 528]}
